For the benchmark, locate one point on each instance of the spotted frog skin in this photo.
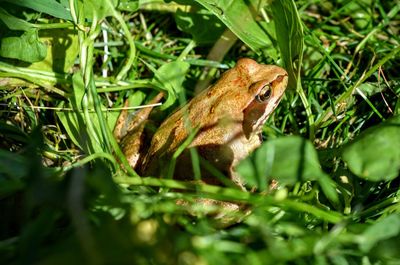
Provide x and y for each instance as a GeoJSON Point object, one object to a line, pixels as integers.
{"type": "Point", "coordinates": [227, 119]}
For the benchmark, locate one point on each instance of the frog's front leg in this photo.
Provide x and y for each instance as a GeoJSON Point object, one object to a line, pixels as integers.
{"type": "Point", "coordinates": [129, 132]}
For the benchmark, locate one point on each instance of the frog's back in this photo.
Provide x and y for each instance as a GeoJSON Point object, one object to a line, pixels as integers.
{"type": "Point", "coordinates": [227, 118]}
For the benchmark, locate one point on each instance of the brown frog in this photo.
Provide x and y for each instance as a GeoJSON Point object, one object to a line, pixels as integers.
{"type": "Point", "coordinates": [227, 118]}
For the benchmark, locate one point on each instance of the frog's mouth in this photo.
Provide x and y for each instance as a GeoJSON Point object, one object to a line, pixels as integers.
{"type": "Point", "coordinates": [254, 116]}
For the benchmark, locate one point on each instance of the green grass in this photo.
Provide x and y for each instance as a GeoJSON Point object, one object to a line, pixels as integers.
{"type": "Point", "coordinates": [67, 195]}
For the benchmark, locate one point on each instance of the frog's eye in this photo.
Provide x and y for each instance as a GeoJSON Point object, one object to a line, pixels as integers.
{"type": "Point", "coordinates": [264, 94]}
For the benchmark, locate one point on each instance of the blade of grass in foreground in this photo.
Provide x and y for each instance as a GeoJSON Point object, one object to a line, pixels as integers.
{"type": "Point", "coordinates": [220, 193]}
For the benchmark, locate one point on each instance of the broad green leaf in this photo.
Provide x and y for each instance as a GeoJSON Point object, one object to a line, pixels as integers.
{"type": "Point", "coordinates": [13, 22]}
{"type": "Point", "coordinates": [27, 47]}
{"type": "Point", "coordinates": [375, 154]}
{"type": "Point", "coordinates": [382, 229]}
{"type": "Point", "coordinates": [202, 25]}
{"type": "Point", "coordinates": [50, 7]}
{"type": "Point", "coordinates": [289, 36]}
{"type": "Point", "coordinates": [128, 5]}
{"type": "Point", "coordinates": [288, 160]}
{"type": "Point", "coordinates": [100, 8]}
{"type": "Point", "coordinates": [170, 77]}
{"type": "Point", "coordinates": [240, 17]}
{"type": "Point", "coordinates": [62, 50]}
{"type": "Point", "coordinates": [370, 89]}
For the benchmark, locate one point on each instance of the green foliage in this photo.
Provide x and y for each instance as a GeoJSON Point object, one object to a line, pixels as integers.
{"type": "Point", "coordinates": [290, 160]}
{"type": "Point", "coordinates": [99, 9]}
{"type": "Point", "coordinates": [127, 5]}
{"type": "Point", "coordinates": [14, 23]}
{"type": "Point", "coordinates": [84, 117]}
{"type": "Point", "coordinates": [170, 77]}
{"type": "Point", "coordinates": [53, 8]}
{"type": "Point", "coordinates": [202, 25]}
{"type": "Point", "coordinates": [62, 50]}
{"type": "Point", "coordinates": [26, 47]}
{"type": "Point", "coordinates": [387, 227]}
{"type": "Point", "coordinates": [290, 38]}
{"type": "Point", "coordinates": [239, 16]}
{"type": "Point", "coordinates": [375, 154]}
{"type": "Point", "coordinates": [324, 183]}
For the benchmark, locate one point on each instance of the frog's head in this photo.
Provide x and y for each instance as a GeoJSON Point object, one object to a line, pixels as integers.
{"type": "Point", "coordinates": [265, 88]}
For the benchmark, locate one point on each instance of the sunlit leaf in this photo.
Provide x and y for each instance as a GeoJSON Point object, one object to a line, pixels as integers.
{"type": "Point", "coordinates": [240, 18]}
{"type": "Point", "coordinates": [13, 22]}
{"type": "Point", "coordinates": [62, 50]}
{"type": "Point", "coordinates": [288, 160]}
{"type": "Point", "coordinates": [50, 7]}
{"type": "Point", "coordinates": [202, 25]}
{"type": "Point", "coordinates": [375, 154]}
{"type": "Point", "coordinates": [289, 36]}
{"type": "Point", "coordinates": [27, 47]}
{"type": "Point", "coordinates": [99, 8]}
{"type": "Point", "coordinates": [170, 77]}
{"type": "Point", "coordinates": [128, 5]}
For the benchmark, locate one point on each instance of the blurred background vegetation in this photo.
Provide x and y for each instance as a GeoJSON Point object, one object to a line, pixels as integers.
{"type": "Point", "coordinates": [67, 196]}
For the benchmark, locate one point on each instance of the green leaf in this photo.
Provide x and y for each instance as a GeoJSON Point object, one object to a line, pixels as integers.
{"type": "Point", "coordinates": [12, 165]}
{"type": "Point", "coordinates": [26, 48]}
{"type": "Point", "coordinates": [14, 23]}
{"type": "Point", "coordinates": [62, 50]}
{"type": "Point", "coordinates": [50, 7]}
{"type": "Point", "coordinates": [170, 77]}
{"type": "Point", "coordinates": [290, 37]}
{"type": "Point", "coordinates": [288, 160]}
{"type": "Point", "coordinates": [101, 8]}
{"type": "Point", "coordinates": [73, 121]}
{"type": "Point", "coordinates": [76, 123]}
{"type": "Point", "coordinates": [370, 89]}
{"type": "Point", "coordinates": [383, 229]}
{"type": "Point", "coordinates": [375, 154]}
{"type": "Point", "coordinates": [202, 25]}
{"type": "Point", "coordinates": [8, 131]}
{"type": "Point", "coordinates": [240, 17]}
{"type": "Point", "coordinates": [128, 5]}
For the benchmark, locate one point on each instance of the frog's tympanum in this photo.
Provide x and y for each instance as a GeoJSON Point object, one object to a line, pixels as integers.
{"type": "Point", "coordinates": [227, 118]}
